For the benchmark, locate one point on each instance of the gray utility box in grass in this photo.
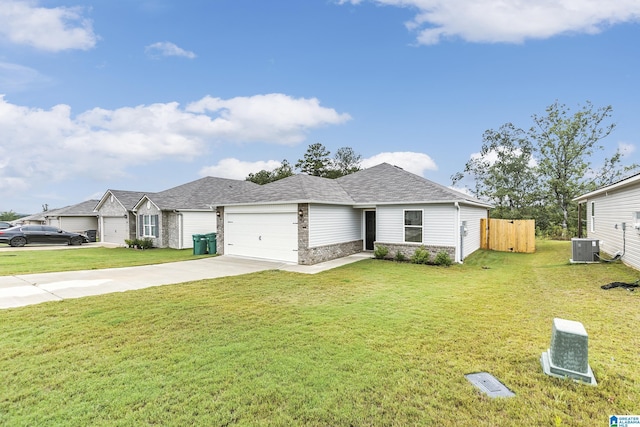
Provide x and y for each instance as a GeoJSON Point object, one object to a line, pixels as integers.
{"type": "Point", "coordinates": [585, 250]}
{"type": "Point", "coordinates": [568, 356]}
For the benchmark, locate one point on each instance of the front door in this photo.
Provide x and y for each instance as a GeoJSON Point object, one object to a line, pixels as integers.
{"type": "Point", "coordinates": [369, 229]}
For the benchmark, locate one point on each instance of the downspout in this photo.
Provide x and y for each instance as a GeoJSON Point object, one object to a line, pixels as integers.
{"type": "Point", "coordinates": [180, 230]}
{"type": "Point", "coordinates": [458, 256]}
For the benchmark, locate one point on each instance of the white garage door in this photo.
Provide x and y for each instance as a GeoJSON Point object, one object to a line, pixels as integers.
{"type": "Point", "coordinates": [196, 223]}
{"type": "Point", "coordinates": [115, 230]}
{"type": "Point", "coordinates": [262, 235]}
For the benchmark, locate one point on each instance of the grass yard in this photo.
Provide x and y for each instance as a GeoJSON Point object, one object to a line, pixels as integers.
{"type": "Point", "coordinates": [369, 344]}
{"type": "Point", "coordinates": [24, 261]}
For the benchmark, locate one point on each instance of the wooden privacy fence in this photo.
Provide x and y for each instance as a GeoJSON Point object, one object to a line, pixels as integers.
{"type": "Point", "coordinates": [507, 235]}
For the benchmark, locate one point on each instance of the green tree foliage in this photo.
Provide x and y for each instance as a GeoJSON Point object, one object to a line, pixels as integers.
{"type": "Point", "coordinates": [504, 173]}
{"type": "Point", "coordinates": [316, 161]}
{"type": "Point", "coordinates": [265, 176]}
{"type": "Point", "coordinates": [346, 161]}
{"type": "Point", "coordinates": [8, 216]}
{"type": "Point", "coordinates": [536, 174]}
{"type": "Point", "coordinates": [566, 144]}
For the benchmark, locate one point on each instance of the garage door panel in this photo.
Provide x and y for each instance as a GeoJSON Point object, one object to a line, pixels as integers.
{"type": "Point", "coordinates": [115, 230]}
{"type": "Point", "coordinates": [270, 236]}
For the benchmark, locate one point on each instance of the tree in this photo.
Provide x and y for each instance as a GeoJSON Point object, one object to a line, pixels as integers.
{"type": "Point", "coordinates": [265, 176]}
{"type": "Point", "coordinates": [504, 173]}
{"type": "Point", "coordinates": [346, 161]}
{"type": "Point", "coordinates": [8, 216]}
{"type": "Point", "coordinates": [565, 144]}
{"type": "Point", "coordinates": [316, 161]}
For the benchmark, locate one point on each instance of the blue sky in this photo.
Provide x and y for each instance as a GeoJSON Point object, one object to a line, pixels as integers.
{"type": "Point", "coordinates": [145, 95]}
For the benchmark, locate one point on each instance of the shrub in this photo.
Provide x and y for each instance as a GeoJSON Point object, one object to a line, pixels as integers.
{"type": "Point", "coordinates": [131, 243]}
{"type": "Point", "coordinates": [420, 256]}
{"type": "Point", "coordinates": [146, 243]}
{"type": "Point", "coordinates": [443, 259]}
{"type": "Point", "coordinates": [400, 257]}
{"type": "Point", "coordinates": [380, 252]}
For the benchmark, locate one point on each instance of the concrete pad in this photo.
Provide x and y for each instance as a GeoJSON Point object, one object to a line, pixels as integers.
{"type": "Point", "coordinates": [28, 289]}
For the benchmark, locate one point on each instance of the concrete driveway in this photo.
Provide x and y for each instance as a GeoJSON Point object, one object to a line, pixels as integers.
{"type": "Point", "coordinates": [28, 289]}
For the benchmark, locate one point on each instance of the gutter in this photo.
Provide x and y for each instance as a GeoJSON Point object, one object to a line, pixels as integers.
{"type": "Point", "coordinates": [458, 235]}
{"type": "Point", "coordinates": [180, 229]}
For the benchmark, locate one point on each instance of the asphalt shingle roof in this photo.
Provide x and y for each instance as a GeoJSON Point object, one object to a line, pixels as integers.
{"type": "Point", "coordinates": [202, 194]}
{"type": "Point", "coordinates": [85, 208]}
{"type": "Point", "coordinates": [300, 188]}
{"type": "Point", "coordinates": [380, 184]}
{"type": "Point", "coordinates": [386, 183]}
{"type": "Point", "coordinates": [128, 198]}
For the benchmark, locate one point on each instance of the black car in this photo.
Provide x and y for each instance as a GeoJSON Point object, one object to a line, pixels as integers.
{"type": "Point", "coordinates": [4, 225]}
{"type": "Point", "coordinates": [25, 234]}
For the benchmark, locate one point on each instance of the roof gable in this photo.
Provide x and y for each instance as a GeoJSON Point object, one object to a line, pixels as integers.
{"type": "Point", "coordinates": [127, 199]}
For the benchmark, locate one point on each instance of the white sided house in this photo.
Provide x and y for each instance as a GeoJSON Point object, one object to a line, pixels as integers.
{"type": "Point", "coordinates": [306, 220]}
{"type": "Point", "coordinates": [78, 218]}
{"type": "Point", "coordinates": [613, 217]}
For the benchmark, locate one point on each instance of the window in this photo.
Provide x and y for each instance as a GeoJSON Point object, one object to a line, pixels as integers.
{"type": "Point", "coordinates": [413, 226]}
{"type": "Point", "coordinates": [593, 216]}
{"type": "Point", "coordinates": [148, 225]}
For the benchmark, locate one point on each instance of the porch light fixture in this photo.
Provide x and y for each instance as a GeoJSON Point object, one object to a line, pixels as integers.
{"type": "Point", "coordinates": [218, 213]}
{"type": "Point", "coordinates": [300, 213]}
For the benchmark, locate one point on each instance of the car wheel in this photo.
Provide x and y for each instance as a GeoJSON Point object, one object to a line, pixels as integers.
{"type": "Point", "coordinates": [18, 241]}
{"type": "Point", "coordinates": [75, 240]}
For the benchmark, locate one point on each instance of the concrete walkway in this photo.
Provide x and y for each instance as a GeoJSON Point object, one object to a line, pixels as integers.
{"type": "Point", "coordinates": [28, 289]}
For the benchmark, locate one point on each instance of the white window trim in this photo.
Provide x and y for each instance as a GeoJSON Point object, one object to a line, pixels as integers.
{"type": "Point", "coordinates": [404, 225]}
{"type": "Point", "coordinates": [593, 217]}
{"type": "Point", "coordinates": [149, 230]}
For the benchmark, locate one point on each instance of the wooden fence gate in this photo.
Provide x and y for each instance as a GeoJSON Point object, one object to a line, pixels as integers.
{"type": "Point", "coordinates": [507, 235]}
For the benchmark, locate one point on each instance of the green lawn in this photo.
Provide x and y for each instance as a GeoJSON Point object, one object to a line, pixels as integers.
{"type": "Point", "coordinates": [25, 261]}
{"type": "Point", "coordinates": [369, 344]}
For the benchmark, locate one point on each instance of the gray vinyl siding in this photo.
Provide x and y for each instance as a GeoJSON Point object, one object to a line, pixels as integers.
{"type": "Point", "coordinates": [438, 228]}
{"type": "Point", "coordinates": [613, 208]}
{"type": "Point", "coordinates": [472, 215]}
{"type": "Point", "coordinates": [440, 225]}
{"type": "Point", "coordinates": [330, 224]}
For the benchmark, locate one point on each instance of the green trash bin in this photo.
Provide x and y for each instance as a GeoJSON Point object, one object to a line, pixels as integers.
{"type": "Point", "coordinates": [211, 243]}
{"type": "Point", "coordinates": [199, 244]}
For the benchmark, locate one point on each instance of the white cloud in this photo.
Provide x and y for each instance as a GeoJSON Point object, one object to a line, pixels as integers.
{"type": "Point", "coordinates": [626, 149]}
{"type": "Point", "coordinates": [416, 163]}
{"type": "Point", "coordinates": [491, 157]}
{"type": "Point", "coordinates": [511, 21]}
{"type": "Point", "coordinates": [40, 145]}
{"type": "Point", "coordinates": [273, 117]}
{"type": "Point", "coordinates": [15, 77]}
{"type": "Point", "coordinates": [237, 169]}
{"type": "Point", "coordinates": [50, 29]}
{"type": "Point", "coordinates": [167, 49]}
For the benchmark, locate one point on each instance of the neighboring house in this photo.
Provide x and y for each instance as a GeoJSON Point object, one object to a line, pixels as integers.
{"type": "Point", "coordinates": [35, 219]}
{"type": "Point", "coordinates": [613, 217]}
{"type": "Point", "coordinates": [76, 218]}
{"type": "Point", "coordinates": [116, 218]}
{"type": "Point", "coordinates": [173, 216]}
{"type": "Point", "coordinates": [307, 220]}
